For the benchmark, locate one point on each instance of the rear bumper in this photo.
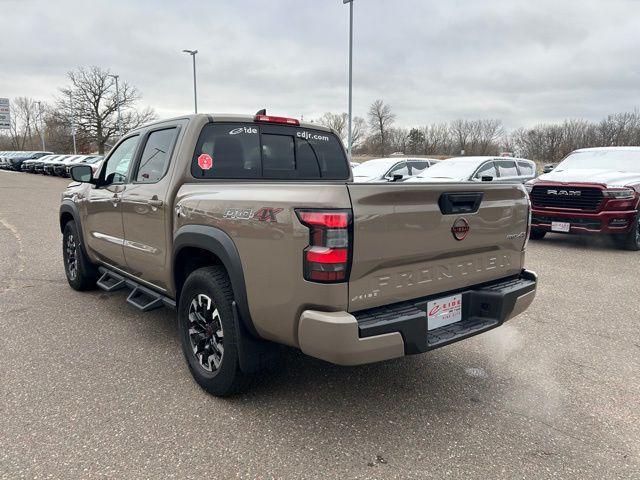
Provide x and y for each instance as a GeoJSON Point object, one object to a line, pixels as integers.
{"type": "Point", "coordinates": [606, 221]}
{"type": "Point", "coordinates": [401, 329]}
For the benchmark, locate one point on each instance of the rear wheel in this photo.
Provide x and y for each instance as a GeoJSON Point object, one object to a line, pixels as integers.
{"type": "Point", "coordinates": [631, 240]}
{"type": "Point", "coordinates": [537, 234]}
{"type": "Point", "coordinates": [208, 334]}
{"type": "Point", "coordinates": [81, 273]}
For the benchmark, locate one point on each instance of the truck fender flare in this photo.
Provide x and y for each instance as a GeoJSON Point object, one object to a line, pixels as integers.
{"type": "Point", "coordinates": [222, 246]}
{"type": "Point", "coordinates": [67, 207]}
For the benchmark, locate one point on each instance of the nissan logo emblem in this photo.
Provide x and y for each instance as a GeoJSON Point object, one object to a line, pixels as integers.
{"type": "Point", "coordinates": [460, 229]}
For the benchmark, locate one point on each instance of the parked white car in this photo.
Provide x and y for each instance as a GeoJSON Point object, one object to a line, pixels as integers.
{"type": "Point", "coordinates": [476, 169]}
{"type": "Point", "coordinates": [390, 169]}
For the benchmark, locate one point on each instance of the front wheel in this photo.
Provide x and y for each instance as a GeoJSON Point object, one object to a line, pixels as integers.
{"type": "Point", "coordinates": [81, 273]}
{"type": "Point", "coordinates": [208, 334]}
{"type": "Point", "coordinates": [537, 234]}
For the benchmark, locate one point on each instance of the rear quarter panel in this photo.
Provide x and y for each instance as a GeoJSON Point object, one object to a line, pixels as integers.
{"type": "Point", "coordinates": [270, 246]}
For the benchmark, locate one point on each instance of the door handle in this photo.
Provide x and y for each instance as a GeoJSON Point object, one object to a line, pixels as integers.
{"type": "Point", "coordinates": [154, 202]}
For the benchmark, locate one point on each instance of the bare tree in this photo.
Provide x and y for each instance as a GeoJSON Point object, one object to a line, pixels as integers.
{"type": "Point", "coordinates": [437, 139]}
{"type": "Point", "coordinates": [24, 112]}
{"type": "Point", "coordinates": [358, 131]}
{"type": "Point", "coordinates": [90, 102]}
{"type": "Point", "coordinates": [398, 140]}
{"type": "Point", "coordinates": [489, 132]}
{"type": "Point", "coordinates": [380, 121]}
{"type": "Point", "coordinates": [461, 130]}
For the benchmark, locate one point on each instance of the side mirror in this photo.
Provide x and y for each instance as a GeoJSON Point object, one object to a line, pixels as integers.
{"type": "Point", "coordinates": [397, 177]}
{"type": "Point", "coordinates": [487, 178]}
{"type": "Point", "coordinates": [548, 167]}
{"type": "Point", "coordinates": [82, 173]}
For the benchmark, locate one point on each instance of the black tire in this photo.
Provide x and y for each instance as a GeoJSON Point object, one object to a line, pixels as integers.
{"type": "Point", "coordinates": [537, 234]}
{"type": "Point", "coordinates": [631, 240]}
{"type": "Point", "coordinates": [202, 333]}
{"type": "Point", "coordinates": [81, 273]}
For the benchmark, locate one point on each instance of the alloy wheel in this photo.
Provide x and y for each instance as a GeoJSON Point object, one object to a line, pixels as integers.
{"type": "Point", "coordinates": [71, 249]}
{"type": "Point", "coordinates": [205, 332]}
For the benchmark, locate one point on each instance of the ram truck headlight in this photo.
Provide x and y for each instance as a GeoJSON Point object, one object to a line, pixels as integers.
{"type": "Point", "coordinates": [619, 193]}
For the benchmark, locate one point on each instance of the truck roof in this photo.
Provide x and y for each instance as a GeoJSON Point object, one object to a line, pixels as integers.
{"type": "Point", "coordinates": [229, 117]}
{"type": "Point", "coordinates": [608, 149]}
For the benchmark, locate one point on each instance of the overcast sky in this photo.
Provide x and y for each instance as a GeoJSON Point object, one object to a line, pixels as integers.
{"type": "Point", "coordinates": [522, 61]}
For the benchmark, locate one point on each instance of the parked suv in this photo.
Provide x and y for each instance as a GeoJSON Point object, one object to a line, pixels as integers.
{"type": "Point", "coordinates": [464, 169]}
{"type": "Point", "coordinates": [592, 191]}
{"type": "Point", "coordinates": [390, 169]}
{"type": "Point", "coordinates": [251, 227]}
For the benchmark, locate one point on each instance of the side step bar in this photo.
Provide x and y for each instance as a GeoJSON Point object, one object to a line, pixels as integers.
{"type": "Point", "coordinates": [140, 297]}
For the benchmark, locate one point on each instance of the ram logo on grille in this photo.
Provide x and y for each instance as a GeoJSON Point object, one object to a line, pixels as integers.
{"type": "Point", "coordinates": [568, 193]}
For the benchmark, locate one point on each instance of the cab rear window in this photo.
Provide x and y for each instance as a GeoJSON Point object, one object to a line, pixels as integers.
{"type": "Point", "coordinates": [255, 151]}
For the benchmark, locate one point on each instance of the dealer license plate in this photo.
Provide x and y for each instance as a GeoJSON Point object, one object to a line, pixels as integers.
{"type": "Point", "coordinates": [560, 227]}
{"type": "Point", "coordinates": [444, 311]}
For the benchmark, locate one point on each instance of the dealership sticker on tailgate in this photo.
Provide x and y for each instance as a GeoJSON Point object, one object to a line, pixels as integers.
{"type": "Point", "coordinates": [444, 311]}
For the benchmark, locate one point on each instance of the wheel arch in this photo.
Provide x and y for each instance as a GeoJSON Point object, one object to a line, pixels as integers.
{"type": "Point", "coordinates": [69, 212]}
{"type": "Point", "coordinates": [195, 246]}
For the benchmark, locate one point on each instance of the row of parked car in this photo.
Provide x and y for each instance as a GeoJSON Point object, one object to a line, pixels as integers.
{"type": "Point", "coordinates": [46, 162]}
{"type": "Point", "coordinates": [457, 169]}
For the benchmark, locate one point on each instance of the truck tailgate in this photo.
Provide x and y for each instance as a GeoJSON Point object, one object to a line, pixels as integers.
{"type": "Point", "coordinates": [404, 246]}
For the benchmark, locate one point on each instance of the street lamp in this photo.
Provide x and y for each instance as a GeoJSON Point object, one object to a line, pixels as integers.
{"type": "Point", "coordinates": [41, 125]}
{"type": "Point", "coordinates": [73, 123]}
{"type": "Point", "coordinates": [350, 2]}
{"type": "Point", "coordinates": [116, 77]}
{"type": "Point", "coordinates": [195, 91]}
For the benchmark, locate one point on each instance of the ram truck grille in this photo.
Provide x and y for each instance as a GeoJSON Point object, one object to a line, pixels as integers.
{"type": "Point", "coordinates": [567, 197]}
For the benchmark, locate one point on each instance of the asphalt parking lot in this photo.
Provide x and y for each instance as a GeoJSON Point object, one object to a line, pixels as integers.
{"type": "Point", "coordinates": [93, 388]}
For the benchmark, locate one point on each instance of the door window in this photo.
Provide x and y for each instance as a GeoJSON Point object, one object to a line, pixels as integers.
{"type": "Point", "coordinates": [155, 156]}
{"type": "Point", "coordinates": [507, 168]}
{"type": "Point", "coordinates": [117, 167]}
{"type": "Point", "coordinates": [400, 169]}
{"type": "Point", "coordinates": [526, 168]}
{"type": "Point", "coordinates": [486, 170]}
{"type": "Point", "coordinates": [416, 167]}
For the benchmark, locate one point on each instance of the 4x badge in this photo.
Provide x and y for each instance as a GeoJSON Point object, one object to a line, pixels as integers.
{"type": "Point", "coordinates": [264, 214]}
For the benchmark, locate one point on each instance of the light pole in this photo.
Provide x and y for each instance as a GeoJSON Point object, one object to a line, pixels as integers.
{"type": "Point", "coordinates": [40, 118]}
{"type": "Point", "coordinates": [116, 77]}
{"type": "Point", "coordinates": [73, 123]}
{"type": "Point", "coordinates": [195, 91]}
{"type": "Point", "coordinates": [350, 2]}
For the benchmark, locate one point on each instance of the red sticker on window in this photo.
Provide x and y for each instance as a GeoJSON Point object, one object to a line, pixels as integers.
{"type": "Point", "coordinates": [205, 162]}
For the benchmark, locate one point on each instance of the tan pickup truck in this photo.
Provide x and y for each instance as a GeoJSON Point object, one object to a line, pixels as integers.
{"type": "Point", "coordinates": [251, 227]}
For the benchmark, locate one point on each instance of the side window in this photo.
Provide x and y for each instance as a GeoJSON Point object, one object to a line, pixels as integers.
{"type": "Point", "coordinates": [400, 169]}
{"type": "Point", "coordinates": [416, 167]}
{"type": "Point", "coordinates": [526, 168]}
{"type": "Point", "coordinates": [118, 164]}
{"type": "Point", "coordinates": [155, 156]}
{"type": "Point", "coordinates": [507, 168]}
{"type": "Point", "coordinates": [486, 170]}
{"type": "Point", "coordinates": [227, 151]}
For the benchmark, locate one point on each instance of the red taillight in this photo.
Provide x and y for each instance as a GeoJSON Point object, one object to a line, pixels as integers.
{"type": "Point", "coordinates": [327, 257]}
{"type": "Point", "coordinates": [324, 219]}
{"type": "Point", "coordinates": [272, 119]}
